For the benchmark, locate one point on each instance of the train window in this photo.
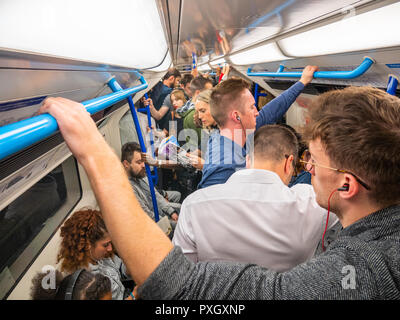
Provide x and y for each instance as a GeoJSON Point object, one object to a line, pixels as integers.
{"type": "Point", "coordinates": [29, 222]}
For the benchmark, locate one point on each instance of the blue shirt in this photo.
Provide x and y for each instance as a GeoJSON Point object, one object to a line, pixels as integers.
{"type": "Point", "coordinates": [303, 177]}
{"type": "Point", "coordinates": [158, 95]}
{"type": "Point", "coordinates": [224, 156]}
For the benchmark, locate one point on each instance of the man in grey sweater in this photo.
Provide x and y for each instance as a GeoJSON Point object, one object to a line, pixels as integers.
{"type": "Point", "coordinates": [131, 157]}
{"type": "Point", "coordinates": [354, 141]}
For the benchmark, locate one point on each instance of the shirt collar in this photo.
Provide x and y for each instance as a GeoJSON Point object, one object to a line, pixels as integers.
{"type": "Point", "coordinates": [255, 176]}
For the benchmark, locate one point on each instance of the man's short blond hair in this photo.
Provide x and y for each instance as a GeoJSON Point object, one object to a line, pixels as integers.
{"type": "Point", "coordinates": [226, 96]}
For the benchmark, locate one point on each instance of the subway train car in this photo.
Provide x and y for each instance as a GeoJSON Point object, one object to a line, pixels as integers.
{"type": "Point", "coordinates": [108, 55]}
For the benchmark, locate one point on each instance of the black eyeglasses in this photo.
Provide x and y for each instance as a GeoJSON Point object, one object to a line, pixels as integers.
{"type": "Point", "coordinates": [309, 164]}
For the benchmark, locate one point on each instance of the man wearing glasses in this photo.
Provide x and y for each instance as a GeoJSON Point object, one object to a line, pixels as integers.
{"type": "Point", "coordinates": [354, 137]}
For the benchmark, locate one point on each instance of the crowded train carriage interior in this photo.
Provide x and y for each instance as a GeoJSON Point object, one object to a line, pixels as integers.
{"type": "Point", "coordinates": [135, 65]}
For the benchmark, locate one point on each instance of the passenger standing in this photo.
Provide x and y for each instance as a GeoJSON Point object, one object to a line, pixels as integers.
{"type": "Point", "coordinates": [187, 112]}
{"type": "Point", "coordinates": [209, 126]}
{"type": "Point", "coordinates": [255, 217]}
{"type": "Point", "coordinates": [233, 108]}
{"type": "Point", "coordinates": [170, 110]}
{"type": "Point", "coordinates": [162, 113]}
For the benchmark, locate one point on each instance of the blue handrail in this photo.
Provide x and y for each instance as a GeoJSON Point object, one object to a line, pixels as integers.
{"type": "Point", "coordinates": [360, 70]}
{"type": "Point", "coordinates": [258, 94]}
{"type": "Point", "coordinates": [392, 84]}
{"type": "Point", "coordinates": [19, 135]}
{"type": "Point", "coordinates": [153, 152]}
{"type": "Point", "coordinates": [114, 85]}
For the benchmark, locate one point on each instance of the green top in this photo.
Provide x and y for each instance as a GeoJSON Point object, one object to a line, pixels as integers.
{"type": "Point", "coordinates": [188, 123]}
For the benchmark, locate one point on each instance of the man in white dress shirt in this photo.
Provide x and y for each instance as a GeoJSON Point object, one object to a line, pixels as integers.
{"type": "Point", "coordinates": [255, 217]}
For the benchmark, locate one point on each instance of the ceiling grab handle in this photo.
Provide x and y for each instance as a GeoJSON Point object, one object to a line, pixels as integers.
{"type": "Point", "coordinates": [19, 135]}
{"type": "Point", "coordinates": [392, 84]}
{"type": "Point", "coordinates": [114, 85]}
{"type": "Point", "coordinates": [360, 70]}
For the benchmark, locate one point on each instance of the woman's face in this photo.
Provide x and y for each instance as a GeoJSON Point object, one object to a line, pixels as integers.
{"type": "Point", "coordinates": [205, 116]}
{"type": "Point", "coordinates": [176, 103]}
{"type": "Point", "coordinates": [102, 248]}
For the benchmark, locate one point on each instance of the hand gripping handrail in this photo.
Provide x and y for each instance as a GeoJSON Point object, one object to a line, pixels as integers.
{"type": "Point", "coordinates": [19, 135]}
{"type": "Point", "coordinates": [360, 70]}
{"type": "Point", "coordinates": [392, 84]}
{"type": "Point", "coordinates": [115, 86]}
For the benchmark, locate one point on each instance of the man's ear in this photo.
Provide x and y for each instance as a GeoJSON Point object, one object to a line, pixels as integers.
{"type": "Point", "coordinates": [126, 164]}
{"type": "Point", "coordinates": [289, 166]}
{"type": "Point", "coordinates": [353, 187]}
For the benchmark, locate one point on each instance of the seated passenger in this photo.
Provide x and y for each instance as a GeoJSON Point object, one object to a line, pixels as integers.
{"type": "Point", "coordinates": [83, 285]}
{"type": "Point", "coordinates": [255, 217]}
{"type": "Point", "coordinates": [233, 108]}
{"type": "Point", "coordinates": [131, 158]}
{"type": "Point", "coordinates": [87, 244]}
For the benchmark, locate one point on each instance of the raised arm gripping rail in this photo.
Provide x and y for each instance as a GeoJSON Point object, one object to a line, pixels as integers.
{"type": "Point", "coordinates": [19, 135]}
{"type": "Point", "coordinates": [360, 70]}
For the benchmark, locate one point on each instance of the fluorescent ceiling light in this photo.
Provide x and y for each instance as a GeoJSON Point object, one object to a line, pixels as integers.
{"type": "Point", "coordinates": [370, 30]}
{"type": "Point", "coordinates": [243, 39]}
{"type": "Point", "coordinates": [122, 32]}
{"type": "Point", "coordinates": [265, 53]}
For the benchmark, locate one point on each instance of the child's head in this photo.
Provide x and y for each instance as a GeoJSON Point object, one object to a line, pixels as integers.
{"type": "Point", "coordinates": [177, 98]}
{"type": "Point", "coordinates": [81, 285]}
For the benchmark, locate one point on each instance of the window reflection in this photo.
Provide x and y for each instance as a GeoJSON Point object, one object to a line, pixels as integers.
{"type": "Point", "coordinates": [26, 220]}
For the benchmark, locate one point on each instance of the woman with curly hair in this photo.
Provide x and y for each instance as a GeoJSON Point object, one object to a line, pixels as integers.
{"type": "Point", "coordinates": [87, 286]}
{"type": "Point", "coordinates": [87, 244]}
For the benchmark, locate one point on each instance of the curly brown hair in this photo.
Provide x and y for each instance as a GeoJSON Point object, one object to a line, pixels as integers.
{"type": "Point", "coordinates": [81, 231]}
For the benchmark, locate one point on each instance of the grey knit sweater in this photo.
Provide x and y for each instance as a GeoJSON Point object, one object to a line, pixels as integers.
{"type": "Point", "coordinates": [363, 263]}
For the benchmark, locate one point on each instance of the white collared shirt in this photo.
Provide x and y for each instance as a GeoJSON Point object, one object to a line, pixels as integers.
{"type": "Point", "coordinates": [254, 217]}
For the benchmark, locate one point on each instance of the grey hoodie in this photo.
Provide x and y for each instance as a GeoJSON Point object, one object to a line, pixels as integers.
{"type": "Point", "coordinates": [363, 263]}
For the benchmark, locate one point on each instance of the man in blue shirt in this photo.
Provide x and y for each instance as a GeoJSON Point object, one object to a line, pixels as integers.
{"type": "Point", "coordinates": [158, 94]}
{"type": "Point", "coordinates": [233, 108]}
